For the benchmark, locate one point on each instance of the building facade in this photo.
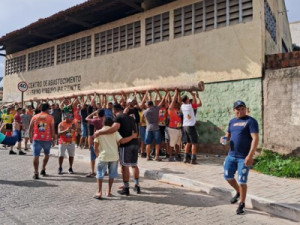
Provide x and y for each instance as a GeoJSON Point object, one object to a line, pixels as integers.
{"type": "Point", "coordinates": [221, 42]}
{"type": "Point", "coordinates": [295, 32]}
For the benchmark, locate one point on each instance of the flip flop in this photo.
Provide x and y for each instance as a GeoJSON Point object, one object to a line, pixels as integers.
{"type": "Point", "coordinates": [91, 175]}
{"type": "Point", "coordinates": [97, 197]}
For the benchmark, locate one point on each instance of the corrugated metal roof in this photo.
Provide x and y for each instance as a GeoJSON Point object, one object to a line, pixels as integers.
{"type": "Point", "coordinates": [75, 19]}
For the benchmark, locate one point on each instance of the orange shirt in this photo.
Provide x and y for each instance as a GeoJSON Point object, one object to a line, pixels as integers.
{"type": "Point", "coordinates": [174, 118]}
{"type": "Point", "coordinates": [42, 127]}
{"type": "Point", "coordinates": [69, 137]}
{"type": "Point", "coordinates": [29, 112]}
{"type": "Point", "coordinates": [162, 116]}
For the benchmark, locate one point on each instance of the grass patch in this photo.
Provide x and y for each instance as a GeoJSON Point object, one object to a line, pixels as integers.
{"type": "Point", "coordinates": [272, 163]}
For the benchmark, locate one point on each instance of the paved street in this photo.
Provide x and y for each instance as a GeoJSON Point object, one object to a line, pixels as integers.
{"type": "Point", "coordinates": [67, 199]}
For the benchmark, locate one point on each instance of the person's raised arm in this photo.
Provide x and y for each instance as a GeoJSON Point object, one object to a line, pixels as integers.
{"type": "Point", "coordinates": [90, 117]}
{"type": "Point", "coordinates": [93, 102]}
{"type": "Point", "coordinates": [199, 102]}
{"type": "Point", "coordinates": [163, 99]}
{"type": "Point", "coordinates": [172, 105]}
{"type": "Point", "coordinates": [62, 102]}
{"type": "Point", "coordinates": [142, 105]}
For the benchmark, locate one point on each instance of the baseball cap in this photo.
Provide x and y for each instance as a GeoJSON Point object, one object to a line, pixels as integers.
{"type": "Point", "coordinates": [238, 103]}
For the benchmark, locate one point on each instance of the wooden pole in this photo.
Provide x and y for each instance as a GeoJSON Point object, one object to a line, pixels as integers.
{"type": "Point", "coordinates": [188, 86]}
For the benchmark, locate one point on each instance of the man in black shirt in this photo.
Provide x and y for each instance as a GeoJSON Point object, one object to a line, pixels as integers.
{"type": "Point", "coordinates": [128, 152]}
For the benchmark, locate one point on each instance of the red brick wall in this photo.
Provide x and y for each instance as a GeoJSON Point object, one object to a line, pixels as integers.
{"type": "Point", "coordinates": [283, 60]}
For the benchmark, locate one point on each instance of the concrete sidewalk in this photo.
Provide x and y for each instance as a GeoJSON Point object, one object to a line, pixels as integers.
{"type": "Point", "coordinates": [277, 196]}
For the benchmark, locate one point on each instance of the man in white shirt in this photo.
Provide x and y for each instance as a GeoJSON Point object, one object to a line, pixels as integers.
{"type": "Point", "coordinates": [189, 129]}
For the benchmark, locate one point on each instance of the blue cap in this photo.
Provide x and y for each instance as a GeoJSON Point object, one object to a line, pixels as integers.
{"type": "Point", "coordinates": [238, 103]}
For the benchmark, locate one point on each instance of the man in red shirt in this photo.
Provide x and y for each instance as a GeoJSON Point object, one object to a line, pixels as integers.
{"type": "Point", "coordinates": [17, 118]}
{"type": "Point", "coordinates": [41, 134]}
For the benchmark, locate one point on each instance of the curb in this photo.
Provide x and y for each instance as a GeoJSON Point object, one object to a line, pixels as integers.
{"type": "Point", "coordinates": [252, 201]}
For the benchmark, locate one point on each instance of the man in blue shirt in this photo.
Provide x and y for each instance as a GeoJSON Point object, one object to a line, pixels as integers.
{"type": "Point", "coordinates": [243, 136]}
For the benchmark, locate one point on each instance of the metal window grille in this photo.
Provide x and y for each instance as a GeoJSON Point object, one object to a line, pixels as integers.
{"type": "Point", "coordinates": [40, 59]}
{"type": "Point", "coordinates": [210, 14]}
{"type": "Point", "coordinates": [157, 28]}
{"type": "Point", "coordinates": [270, 22]}
{"type": "Point", "coordinates": [118, 39]}
{"type": "Point", "coordinates": [15, 65]}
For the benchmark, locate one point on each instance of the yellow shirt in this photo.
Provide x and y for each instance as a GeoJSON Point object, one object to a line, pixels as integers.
{"type": "Point", "coordinates": [108, 146]}
{"type": "Point", "coordinates": [142, 119]}
{"type": "Point", "coordinates": [7, 118]}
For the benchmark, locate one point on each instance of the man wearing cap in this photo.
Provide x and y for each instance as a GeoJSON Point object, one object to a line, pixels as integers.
{"type": "Point", "coordinates": [243, 136]}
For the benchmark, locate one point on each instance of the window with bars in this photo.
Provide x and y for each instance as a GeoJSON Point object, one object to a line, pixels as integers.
{"type": "Point", "coordinates": [157, 28]}
{"type": "Point", "coordinates": [74, 50]}
{"type": "Point", "coordinates": [118, 39]}
{"type": "Point", "coordinates": [40, 59]}
{"type": "Point", "coordinates": [270, 22]}
{"type": "Point", "coordinates": [211, 14]}
{"type": "Point", "coordinates": [15, 65]}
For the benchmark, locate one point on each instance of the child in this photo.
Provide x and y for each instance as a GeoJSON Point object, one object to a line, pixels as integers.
{"type": "Point", "coordinates": [106, 150]}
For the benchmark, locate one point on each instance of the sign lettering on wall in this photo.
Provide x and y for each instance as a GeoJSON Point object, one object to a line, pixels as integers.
{"type": "Point", "coordinates": [54, 85]}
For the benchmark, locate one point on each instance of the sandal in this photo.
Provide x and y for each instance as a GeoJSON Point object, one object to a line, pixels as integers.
{"type": "Point", "coordinates": [98, 197]}
{"type": "Point", "coordinates": [91, 175]}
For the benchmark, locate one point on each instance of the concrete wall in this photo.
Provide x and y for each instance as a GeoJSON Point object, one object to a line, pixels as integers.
{"type": "Point", "coordinates": [217, 110]}
{"type": "Point", "coordinates": [295, 31]}
{"type": "Point", "coordinates": [230, 53]}
{"type": "Point", "coordinates": [282, 110]}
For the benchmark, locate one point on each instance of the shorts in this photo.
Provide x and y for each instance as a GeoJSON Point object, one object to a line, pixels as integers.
{"type": "Point", "coordinates": [25, 133]}
{"type": "Point", "coordinates": [191, 135]}
{"type": "Point", "coordinates": [8, 126]}
{"type": "Point", "coordinates": [92, 153]}
{"type": "Point", "coordinates": [90, 130]}
{"type": "Point", "coordinates": [19, 137]}
{"type": "Point", "coordinates": [56, 128]}
{"type": "Point", "coordinates": [142, 133]}
{"type": "Point", "coordinates": [129, 155]}
{"type": "Point", "coordinates": [84, 130]}
{"type": "Point", "coordinates": [233, 164]}
{"type": "Point", "coordinates": [69, 147]}
{"type": "Point", "coordinates": [152, 135]}
{"type": "Point", "coordinates": [175, 136]}
{"type": "Point", "coordinates": [112, 169]}
{"type": "Point", "coordinates": [37, 146]}
{"type": "Point", "coordinates": [162, 132]}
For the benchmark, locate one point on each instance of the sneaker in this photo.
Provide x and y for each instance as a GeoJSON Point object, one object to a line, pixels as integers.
{"type": "Point", "coordinates": [143, 155]}
{"type": "Point", "coordinates": [235, 198]}
{"type": "Point", "coordinates": [71, 171]}
{"type": "Point", "coordinates": [124, 191]}
{"type": "Point", "coordinates": [36, 176]}
{"type": "Point", "coordinates": [59, 171]}
{"type": "Point", "coordinates": [137, 189]}
{"type": "Point", "coordinates": [149, 158]}
{"type": "Point", "coordinates": [11, 152]}
{"type": "Point", "coordinates": [43, 173]}
{"type": "Point", "coordinates": [22, 153]}
{"type": "Point", "coordinates": [240, 209]}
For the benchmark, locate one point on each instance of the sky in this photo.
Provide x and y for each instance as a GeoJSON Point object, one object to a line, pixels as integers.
{"type": "Point", "coordinates": [16, 14]}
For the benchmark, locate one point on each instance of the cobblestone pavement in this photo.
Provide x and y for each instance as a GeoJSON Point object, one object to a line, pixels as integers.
{"type": "Point", "coordinates": [67, 199]}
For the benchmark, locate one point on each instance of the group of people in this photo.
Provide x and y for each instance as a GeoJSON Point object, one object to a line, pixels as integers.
{"type": "Point", "coordinates": [118, 131]}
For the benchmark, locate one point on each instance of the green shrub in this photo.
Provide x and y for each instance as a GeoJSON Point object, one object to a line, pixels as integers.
{"type": "Point", "coordinates": [272, 163]}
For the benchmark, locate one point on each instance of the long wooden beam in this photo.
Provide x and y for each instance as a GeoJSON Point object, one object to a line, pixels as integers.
{"type": "Point", "coordinates": [188, 86]}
